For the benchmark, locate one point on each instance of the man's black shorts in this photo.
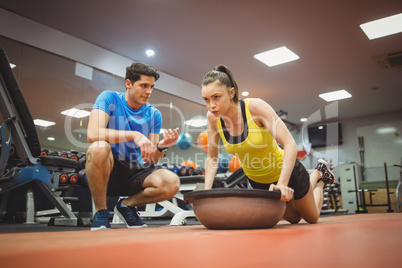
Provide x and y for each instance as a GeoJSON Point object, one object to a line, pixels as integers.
{"type": "Point", "coordinates": [126, 179]}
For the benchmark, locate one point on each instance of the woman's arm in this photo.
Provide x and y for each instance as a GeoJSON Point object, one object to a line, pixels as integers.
{"type": "Point", "coordinates": [211, 164]}
{"type": "Point", "coordinates": [264, 115]}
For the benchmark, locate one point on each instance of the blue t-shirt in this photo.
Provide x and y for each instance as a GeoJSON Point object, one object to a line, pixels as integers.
{"type": "Point", "coordinates": [145, 120]}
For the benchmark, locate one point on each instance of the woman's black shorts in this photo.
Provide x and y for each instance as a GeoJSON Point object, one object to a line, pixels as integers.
{"type": "Point", "coordinates": [299, 181]}
{"type": "Point", "coordinates": [126, 179]}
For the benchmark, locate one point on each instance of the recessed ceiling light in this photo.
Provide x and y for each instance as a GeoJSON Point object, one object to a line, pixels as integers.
{"type": "Point", "coordinates": [73, 112]}
{"type": "Point", "coordinates": [276, 56]}
{"type": "Point", "coordinates": [335, 95]}
{"type": "Point", "coordinates": [303, 119]}
{"type": "Point", "coordinates": [150, 52]}
{"type": "Point", "coordinates": [198, 121]}
{"type": "Point", "coordinates": [383, 27]}
{"type": "Point", "coordinates": [386, 130]}
{"type": "Point", "coordinates": [245, 93]}
{"type": "Point", "coordinates": [50, 138]}
{"type": "Point", "coordinates": [12, 65]}
{"type": "Point", "coordinates": [43, 123]}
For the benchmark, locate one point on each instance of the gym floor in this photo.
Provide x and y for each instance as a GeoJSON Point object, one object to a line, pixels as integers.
{"type": "Point", "coordinates": [360, 240]}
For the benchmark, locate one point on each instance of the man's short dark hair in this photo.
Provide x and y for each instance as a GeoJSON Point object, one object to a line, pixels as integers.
{"type": "Point", "coordinates": [134, 72]}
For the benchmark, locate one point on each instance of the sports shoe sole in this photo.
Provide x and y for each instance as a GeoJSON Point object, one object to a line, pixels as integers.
{"type": "Point", "coordinates": [100, 228]}
{"type": "Point", "coordinates": [327, 166]}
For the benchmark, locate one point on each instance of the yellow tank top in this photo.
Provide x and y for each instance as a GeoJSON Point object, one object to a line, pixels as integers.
{"type": "Point", "coordinates": [259, 153]}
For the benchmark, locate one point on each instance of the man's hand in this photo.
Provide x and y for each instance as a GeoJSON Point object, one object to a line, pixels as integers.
{"type": "Point", "coordinates": [146, 146]}
{"type": "Point", "coordinates": [170, 138]}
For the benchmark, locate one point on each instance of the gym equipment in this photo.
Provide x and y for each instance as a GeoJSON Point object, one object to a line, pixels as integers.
{"type": "Point", "coordinates": [223, 165]}
{"type": "Point", "coordinates": [82, 162]}
{"type": "Point", "coordinates": [234, 164]}
{"type": "Point", "coordinates": [202, 141]}
{"type": "Point", "coordinates": [82, 177]}
{"type": "Point", "coordinates": [184, 141]}
{"type": "Point", "coordinates": [331, 202]}
{"type": "Point", "coordinates": [399, 189]}
{"type": "Point", "coordinates": [187, 184]}
{"type": "Point", "coordinates": [361, 206]}
{"type": "Point", "coordinates": [361, 151]}
{"type": "Point", "coordinates": [63, 178]}
{"type": "Point", "coordinates": [185, 171]}
{"type": "Point", "coordinates": [29, 170]}
{"type": "Point", "coordinates": [189, 163]}
{"type": "Point", "coordinates": [236, 208]}
{"type": "Point", "coordinates": [72, 178]}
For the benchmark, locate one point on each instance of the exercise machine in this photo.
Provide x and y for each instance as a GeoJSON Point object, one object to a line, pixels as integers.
{"type": "Point", "coordinates": [21, 163]}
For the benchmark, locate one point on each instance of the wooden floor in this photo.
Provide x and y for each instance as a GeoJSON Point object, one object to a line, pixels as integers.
{"type": "Point", "coordinates": [362, 240]}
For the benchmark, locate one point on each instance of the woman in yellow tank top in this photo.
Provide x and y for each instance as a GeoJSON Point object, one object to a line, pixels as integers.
{"type": "Point", "coordinates": [251, 130]}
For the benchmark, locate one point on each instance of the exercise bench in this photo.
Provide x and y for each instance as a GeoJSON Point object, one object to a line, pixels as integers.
{"type": "Point", "coordinates": [21, 165]}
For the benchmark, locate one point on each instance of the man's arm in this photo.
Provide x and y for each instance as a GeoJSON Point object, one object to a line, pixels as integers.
{"type": "Point", "coordinates": [98, 131]}
{"type": "Point", "coordinates": [170, 138]}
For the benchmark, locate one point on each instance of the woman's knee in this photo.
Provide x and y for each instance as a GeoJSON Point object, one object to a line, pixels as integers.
{"type": "Point", "coordinates": [291, 214]}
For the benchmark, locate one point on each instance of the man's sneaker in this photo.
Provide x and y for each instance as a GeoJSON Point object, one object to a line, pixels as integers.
{"type": "Point", "coordinates": [100, 220]}
{"type": "Point", "coordinates": [328, 177]}
{"type": "Point", "coordinates": [129, 215]}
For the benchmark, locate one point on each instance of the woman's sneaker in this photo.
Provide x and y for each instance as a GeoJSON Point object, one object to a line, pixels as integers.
{"type": "Point", "coordinates": [327, 176]}
{"type": "Point", "coordinates": [100, 220]}
{"type": "Point", "coordinates": [129, 215]}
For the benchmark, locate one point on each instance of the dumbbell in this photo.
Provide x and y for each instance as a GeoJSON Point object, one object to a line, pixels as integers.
{"type": "Point", "coordinates": [185, 171]}
{"type": "Point", "coordinates": [63, 178]}
{"type": "Point", "coordinates": [46, 152]}
{"type": "Point", "coordinates": [82, 161]}
{"type": "Point", "coordinates": [63, 154]}
{"type": "Point", "coordinates": [73, 178]}
{"type": "Point", "coordinates": [173, 168]}
{"type": "Point", "coordinates": [76, 155]}
{"type": "Point", "coordinates": [68, 178]}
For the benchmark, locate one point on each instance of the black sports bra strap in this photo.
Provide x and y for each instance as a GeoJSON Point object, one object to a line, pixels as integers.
{"type": "Point", "coordinates": [242, 137]}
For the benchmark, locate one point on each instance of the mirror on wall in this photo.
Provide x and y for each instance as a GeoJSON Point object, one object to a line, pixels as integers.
{"type": "Point", "coordinates": [50, 85]}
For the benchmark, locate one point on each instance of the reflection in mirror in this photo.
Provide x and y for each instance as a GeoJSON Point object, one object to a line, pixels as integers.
{"type": "Point", "coordinates": [53, 84]}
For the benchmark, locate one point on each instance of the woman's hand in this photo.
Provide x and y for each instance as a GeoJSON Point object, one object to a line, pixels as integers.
{"type": "Point", "coordinates": [286, 192]}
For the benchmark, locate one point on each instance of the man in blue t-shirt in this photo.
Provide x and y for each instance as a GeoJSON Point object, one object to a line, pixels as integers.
{"type": "Point", "coordinates": [123, 130]}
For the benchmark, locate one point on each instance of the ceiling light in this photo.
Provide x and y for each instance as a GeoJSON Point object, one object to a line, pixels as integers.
{"type": "Point", "coordinates": [150, 52]}
{"type": "Point", "coordinates": [73, 112]}
{"type": "Point", "coordinates": [386, 130]}
{"type": "Point", "coordinates": [12, 65]}
{"type": "Point", "coordinates": [50, 138]}
{"type": "Point", "coordinates": [245, 93]}
{"type": "Point", "coordinates": [196, 122]}
{"type": "Point", "coordinates": [276, 56]}
{"type": "Point", "coordinates": [383, 27]}
{"type": "Point", "coordinates": [43, 123]}
{"type": "Point", "coordinates": [335, 95]}
{"type": "Point", "coordinates": [303, 119]}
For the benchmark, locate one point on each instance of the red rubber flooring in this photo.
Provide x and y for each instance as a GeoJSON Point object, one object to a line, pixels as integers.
{"type": "Point", "coordinates": [363, 240]}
